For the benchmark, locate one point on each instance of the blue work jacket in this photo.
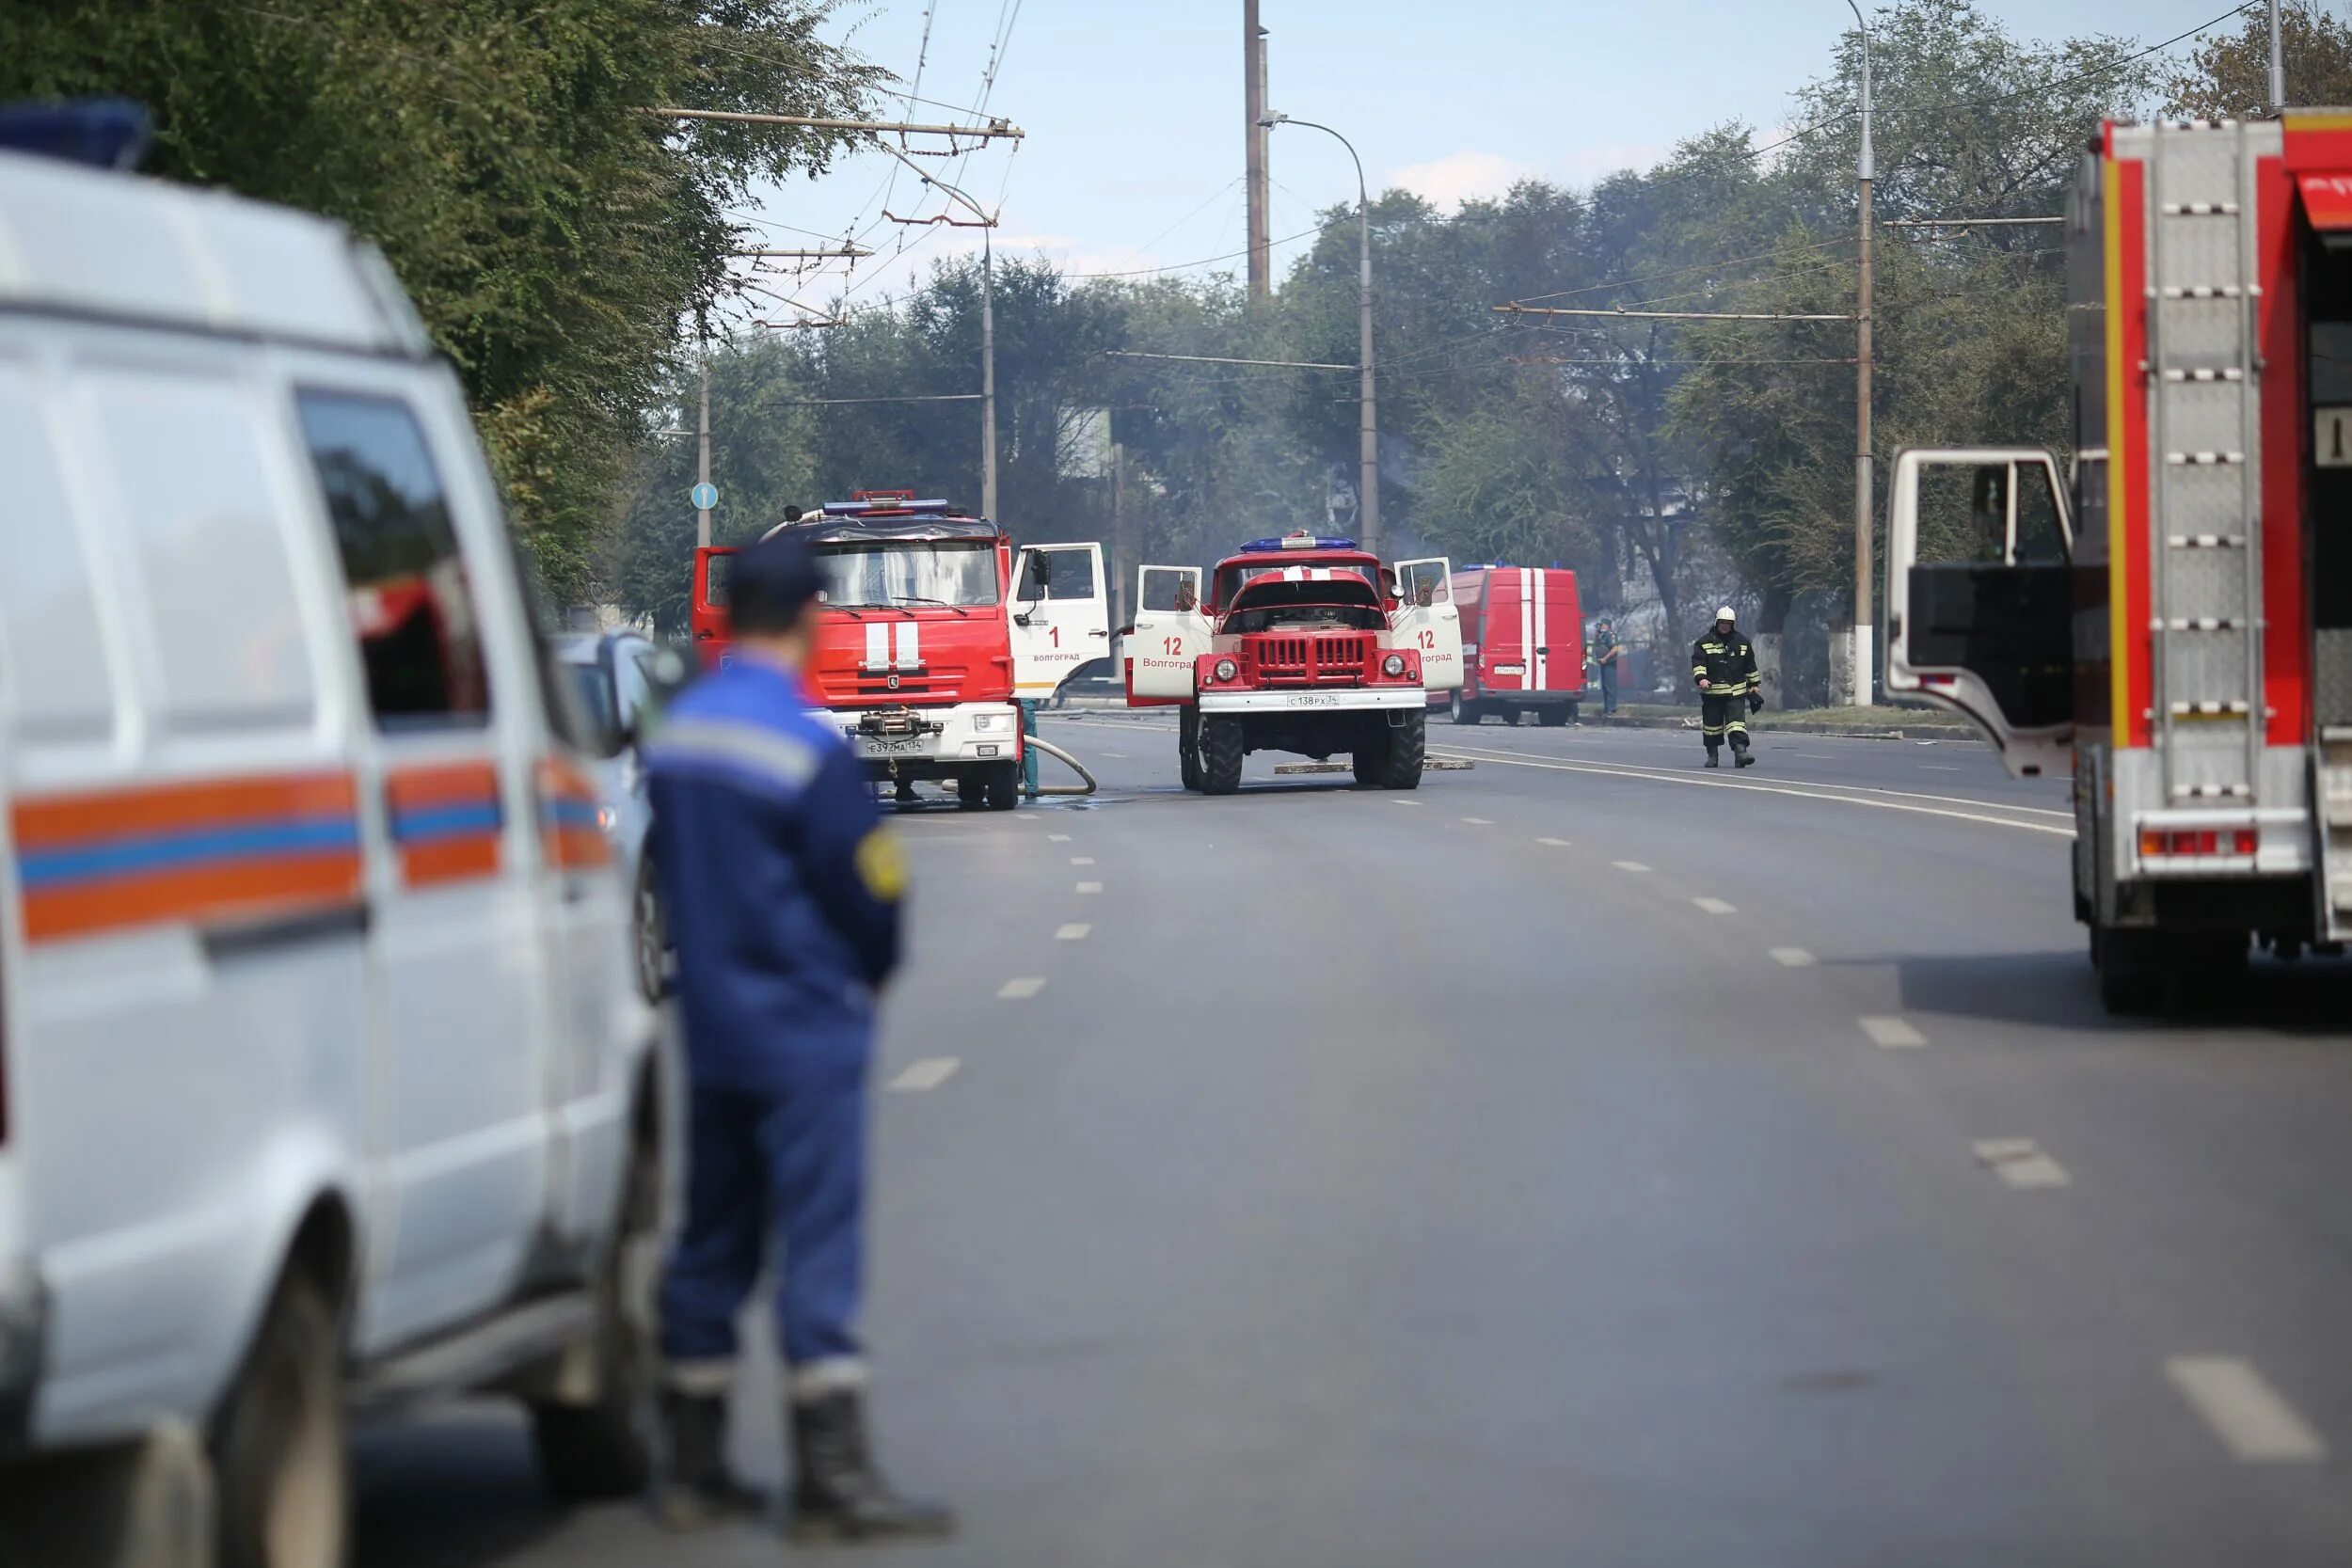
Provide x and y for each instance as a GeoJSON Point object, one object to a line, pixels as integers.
{"type": "Point", "coordinates": [780, 883]}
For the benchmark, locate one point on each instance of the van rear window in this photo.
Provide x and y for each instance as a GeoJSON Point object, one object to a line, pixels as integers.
{"type": "Point", "coordinates": [412, 609]}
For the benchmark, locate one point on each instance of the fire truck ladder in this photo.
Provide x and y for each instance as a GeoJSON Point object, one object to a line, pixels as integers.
{"type": "Point", "coordinates": [2205, 401]}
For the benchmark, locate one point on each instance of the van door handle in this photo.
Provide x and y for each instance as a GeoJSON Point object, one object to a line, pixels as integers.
{"type": "Point", "coordinates": [253, 939]}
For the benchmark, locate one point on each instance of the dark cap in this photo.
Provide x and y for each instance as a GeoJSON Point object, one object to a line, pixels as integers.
{"type": "Point", "coordinates": [770, 584]}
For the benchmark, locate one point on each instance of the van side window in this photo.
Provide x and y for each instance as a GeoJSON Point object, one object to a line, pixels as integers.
{"type": "Point", "coordinates": [411, 607]}
{"type": "Point", "coordinates": [50, 648]}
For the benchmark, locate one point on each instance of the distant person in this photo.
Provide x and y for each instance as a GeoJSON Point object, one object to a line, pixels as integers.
{"type": "Point", "coordinates": [1723, 665]}
{"type": "Point", "coordinates": [782, 887]}
{"type": "Point", "coordinates": [1606, 648]}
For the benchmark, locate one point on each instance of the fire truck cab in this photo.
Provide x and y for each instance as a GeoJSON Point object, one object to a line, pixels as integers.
{"type": "Point", "coordinates": [930, 624]}
{"type": "Point", "coordinates": [2174, 621]}
{"type": "Point", "coordinates": [1303, 645]}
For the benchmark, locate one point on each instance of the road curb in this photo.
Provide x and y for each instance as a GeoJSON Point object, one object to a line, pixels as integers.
{"type": "Point", "coordinates": [1764, 726]}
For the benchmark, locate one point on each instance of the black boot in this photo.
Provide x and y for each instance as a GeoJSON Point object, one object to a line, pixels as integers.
{"type": "Point", "coordinates": [1714, 759]}
{"type": "Point", "coordinates": [1742, 755]}
{"type": "Point", "coordinates": [837, 1494]}
{"type": "Point", "coordinates": [695, 1489]}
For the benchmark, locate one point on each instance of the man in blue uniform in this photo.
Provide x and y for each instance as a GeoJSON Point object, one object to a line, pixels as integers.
{"type": "Point", "coordinates": [782, 888]}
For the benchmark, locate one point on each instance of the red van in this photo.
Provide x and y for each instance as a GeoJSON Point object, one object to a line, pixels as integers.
{"type": "Point", "coordinates": [1522, 644]}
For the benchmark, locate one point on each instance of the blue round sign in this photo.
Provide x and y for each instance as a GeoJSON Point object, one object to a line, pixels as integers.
{"type": "Point", "coordinates": [704, 495]}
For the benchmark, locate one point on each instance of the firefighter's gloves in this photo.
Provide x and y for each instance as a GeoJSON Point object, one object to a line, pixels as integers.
{"type": "Point", "coordinates": [1755, 701]}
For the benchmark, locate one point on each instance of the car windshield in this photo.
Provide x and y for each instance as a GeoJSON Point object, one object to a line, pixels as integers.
{"type": "Point", "coordinates": [595, 692]}
{"type": "Point", "coordinates": [951, 573]}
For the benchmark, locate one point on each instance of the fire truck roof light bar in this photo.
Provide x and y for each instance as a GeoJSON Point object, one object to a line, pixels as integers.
{"type": "Point", "coordinates": [855, 509]}
{"type": "Point", "coordinates": [1299, 541]}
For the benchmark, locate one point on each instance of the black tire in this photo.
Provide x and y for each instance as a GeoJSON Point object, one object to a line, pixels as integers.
{"type": "Point", "coordinates": [588, 1452]}
{"type": "Point", "coordinates": [2130, 982]}
{"type": "Point", "coordinates": [1002, 789]}
{"type": "Point", "coordinates": [649, 935]}
{"type": "Point", "coordinates": [1463, 712]}
{"type": "Point", "coordinates": [280, 1471]}
{"type": "Point", "coordinates": [1188, 746]}
{"type": "Point", "coordinates": [1221, 755]}
{"type": "Point", "coordinates": [971, 794]}
{"type": "Point", "coordinates": [1408, 743]}
{"type": "Point", "coordinates": [1371, 760]}
{"type": "Point", "coordinates": [1552, 718]}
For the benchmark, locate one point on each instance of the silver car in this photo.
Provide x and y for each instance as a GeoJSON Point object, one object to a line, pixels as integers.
{"type": "Point", "coordinates": [618, 678]}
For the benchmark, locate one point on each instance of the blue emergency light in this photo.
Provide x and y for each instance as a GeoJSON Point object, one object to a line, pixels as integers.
{"type": "Point", "coordinates": [1298, 542]}
{"type": "Point", "coordinates": [852, 509]}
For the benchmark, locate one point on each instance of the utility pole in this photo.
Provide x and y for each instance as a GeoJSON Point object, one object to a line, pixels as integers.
{"type": "Point", "coordinates": [1864, 620]}
{"type": "Point", "coordinates": [988, 379]}
{"type": "Point", "coordinates": [2278, 65]}
{"type": "Point", "coordinates": [1368, 417]}
{"type": "Point", "coordinates": [1258, 182]}
{"type": "Point", "coordinates": [1122, 548]}
{"type": "Point", "coordinates": [702, 464]}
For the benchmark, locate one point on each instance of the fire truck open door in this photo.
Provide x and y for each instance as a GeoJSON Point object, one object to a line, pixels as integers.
{"type": "Point", "coordinates": [1062, 615]}
{"type": "Point", "coordinates": [1427, 620]}
{"type": "Point", "coordinates": [1169, 634]}
{"type": "Point", "coordinates": [1980, 596]}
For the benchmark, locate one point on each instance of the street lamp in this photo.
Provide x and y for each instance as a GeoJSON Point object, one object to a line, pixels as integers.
{"type": "Point", "coordinates": [1863, 620]}
{"type": "Point", "coordinates": [1368, 420]}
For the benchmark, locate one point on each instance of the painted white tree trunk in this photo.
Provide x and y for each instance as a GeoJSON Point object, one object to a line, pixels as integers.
{"type": "Point", "coordinates": [1767, 668]}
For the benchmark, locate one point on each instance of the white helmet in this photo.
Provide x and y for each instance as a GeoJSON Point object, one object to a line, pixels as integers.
{"type": "Point", "coordinates": [1726, 614]}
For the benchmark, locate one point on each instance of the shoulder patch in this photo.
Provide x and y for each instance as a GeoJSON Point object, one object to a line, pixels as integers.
{"type": "Point", "coordinates": [882, 866]}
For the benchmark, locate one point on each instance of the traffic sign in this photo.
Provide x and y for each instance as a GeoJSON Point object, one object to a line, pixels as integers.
{"type": "Point", "coordinates": [704, 495]}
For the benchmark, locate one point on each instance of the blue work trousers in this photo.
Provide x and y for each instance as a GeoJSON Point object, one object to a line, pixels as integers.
{"type": "Point", "coordinates": [1028, 753]}
{"type": "Point", "coordinates": [790, 1164]}
{"type": "Point", "coordinates": [1608, 688]}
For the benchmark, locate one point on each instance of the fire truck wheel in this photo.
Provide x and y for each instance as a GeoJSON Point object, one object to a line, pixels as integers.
{"type": "Point", "coordinates": [1552, 718]}
{"type": "Point", "coordinates": [2131, 981]}
{"type": "Point", "coordinates": [1372, 762]}
{"type": "Point", "coordinates": [1463, 712]}
{"type": "Point", "coordinates": [970, 793]}
{"type": "Point", "coordinates": [1003, 787]}
{"type": "Point", "coordinates": [1220, 756]}
{"type": "Point", "coordinates": [1407, 744]}
{"type": "Point", "coordinates": [1188, 747]}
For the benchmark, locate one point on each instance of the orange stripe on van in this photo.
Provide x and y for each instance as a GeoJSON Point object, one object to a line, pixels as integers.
{"type": "Point", "coordinates": [569, 833]}
{"type": "Point", "coordinates": [245, 890]}
{"type": "Point", "coordinates": [43, 823]}
{"type": "Point", "coordinates": [446, 821]}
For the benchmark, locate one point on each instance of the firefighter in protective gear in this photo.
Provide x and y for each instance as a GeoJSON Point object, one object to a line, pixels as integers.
{"type": "Point", "coordinates": [1723, 665]}
{"type": "Point", "coordinates": [782, 887]}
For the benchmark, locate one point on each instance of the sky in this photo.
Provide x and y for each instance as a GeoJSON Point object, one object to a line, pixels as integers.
{"type": "Point", "coordinates": [1133, 109]}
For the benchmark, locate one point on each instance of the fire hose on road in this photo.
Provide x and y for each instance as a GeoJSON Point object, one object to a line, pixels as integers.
{"type": "Point", "coordinates": [1075, 766]}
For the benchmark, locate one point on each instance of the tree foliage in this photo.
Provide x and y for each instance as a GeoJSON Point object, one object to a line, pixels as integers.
{"type": "Point", "coordinates": [557, 240]}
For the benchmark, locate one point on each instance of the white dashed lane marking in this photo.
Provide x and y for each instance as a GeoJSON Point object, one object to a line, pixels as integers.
{"type": "Point", "coordinates": [1075, 932]}
{"type": "Point", "coordinates": [1392, 800]}
{"type": "Point", "coordinates": [1792, 958]}
{"type": "Point", "coordinates": [1089, 887]}
{"type": "Point", "coordinates": [1715, 906]}
{"type": "Point", "coordinates": [2252, 1420]}
{"type": "Point", "coordinates": [1890, 1033]}
{"type": "Point", "coordinates": [1554, 842]}
{"type": "Point", "coordinates": [1021, 987]}
{"type": "Point", "coordinates": [929, 1073]}
{"type": "Point", "coordinates": [1479, 822]}
{"type": "Point", "coordinates": [2021, 1162]}
{"type": "Point", "coordinates": [1628, 866]}
{"type": "Point", "coordinates": [1082, 860]}
{"type": "Point", "coordinates": [1057, 838]}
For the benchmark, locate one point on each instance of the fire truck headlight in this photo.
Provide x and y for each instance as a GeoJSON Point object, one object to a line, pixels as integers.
{"type": "Point", "coordinates": [984, 721]}
{"type": "Point", "coordinates": [1392, 665]}
{"type": "Point", "coordinates": [1226, 670]}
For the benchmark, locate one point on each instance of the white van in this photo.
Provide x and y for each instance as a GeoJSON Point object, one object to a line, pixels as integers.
{"type": "Point", "coordinates": [324, 1083]}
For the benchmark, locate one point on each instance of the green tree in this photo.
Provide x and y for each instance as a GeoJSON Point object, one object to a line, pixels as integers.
{"type": "Point", "coordinates": [2229, 74]}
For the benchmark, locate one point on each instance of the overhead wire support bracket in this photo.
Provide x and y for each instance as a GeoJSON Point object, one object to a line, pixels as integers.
{"type": "Point", "coordinates": [938, 218]}
{"type": "Point", "coordinates": [1216, 360]}
{"type": "Point", "coordinates": [1670, 316]}
{"type": "Point", "coordinates": [847, 253]}
{"type": "Point", "coordinates": [995, 129]}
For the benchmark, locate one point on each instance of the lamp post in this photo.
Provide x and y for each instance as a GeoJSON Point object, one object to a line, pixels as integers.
{"type": "Point", "coordinates": [1863, 619]}
{"type": "Point", "coordinates": [1368, 417]}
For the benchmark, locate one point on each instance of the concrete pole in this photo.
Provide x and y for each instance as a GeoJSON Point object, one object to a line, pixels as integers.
{"type": "Point", "coordinates": [988, 379]}
{"type": "Point", "coordinates": [1258, 182]}
{"type": "Point", "coordinates": [2278, 65]}
{"type": "Point", "coordinates": [1864, 620]}
{"type": "Point", "coordinates": [702, 464]}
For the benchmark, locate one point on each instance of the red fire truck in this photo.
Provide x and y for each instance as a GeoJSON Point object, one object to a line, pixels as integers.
{"type": "Point", "coordinates": [1302, 644]}
{"type": "Point", "coordinates": [930, 624]}
{"type": "Point", "coordinates": [2176, 624]}
{"type": "Point", "coordinates": [1522, 644]}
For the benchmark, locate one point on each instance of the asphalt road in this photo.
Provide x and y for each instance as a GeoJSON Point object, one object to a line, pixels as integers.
{"type": "Point", "coordinates": [1583, 1159]}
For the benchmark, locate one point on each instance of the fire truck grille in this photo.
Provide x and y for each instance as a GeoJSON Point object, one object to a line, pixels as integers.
{"type": "Point", "coordinates": [1326, 661]}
